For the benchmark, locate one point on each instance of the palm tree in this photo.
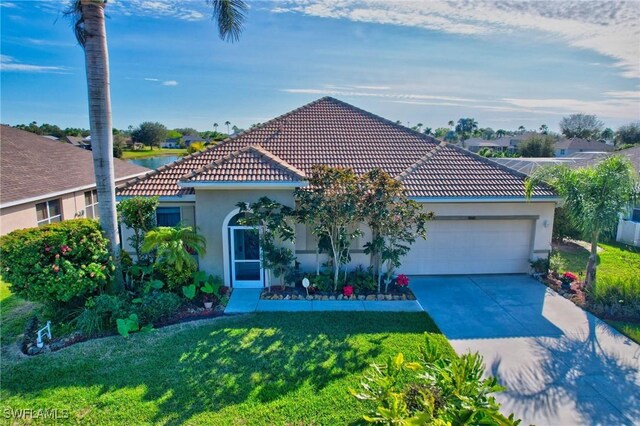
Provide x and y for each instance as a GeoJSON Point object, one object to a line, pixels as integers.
{"type": "Point", "coordinates": [175, 246]}
{"type": "Point", "coordinates": [594, 197]}
{"type": "Point", "coordinates": [501, 132]}
{"type": "Point", "coordinates": [544, 129]}
{"type": "Point", "coordinates": [235, 129]}
{"type": "Point", "coordinates": [451, 123]}
{"type": "Point", "coordinates": [89, 27]}
{"type": "Point", "coordinates": [521, 129]}
{"type": "Point", "coordinates": [227, 123]}
{"type": "Point", "coordinates": [215, 127]}
{"type": "Point", "coordinates": [428, 131]}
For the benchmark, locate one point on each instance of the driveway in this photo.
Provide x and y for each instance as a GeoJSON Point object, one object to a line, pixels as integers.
{"type": "Point", "coordinates": [561, 365]}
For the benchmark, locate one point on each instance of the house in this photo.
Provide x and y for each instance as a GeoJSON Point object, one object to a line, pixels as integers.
{"type": "Point", "coordinates": [189, 139]}
{"type": "Point", "coordinates": [77, 141]}
{"type": "Point", "coordinates": [483, 223]}
{"type": "Point", "coordinates": [508, 143]}
{"type": "Point", "coordinates": [571, 146]}
{"type": "Point", "coordinates": [629, 225]}
{"type": "Point", "coordinates": [44, 181]}
{"type": "Point", "coordinates": [170, 143]}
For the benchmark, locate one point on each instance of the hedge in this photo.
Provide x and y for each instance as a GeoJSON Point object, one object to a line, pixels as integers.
{"type": "Point", "coordinates": [61, 263]}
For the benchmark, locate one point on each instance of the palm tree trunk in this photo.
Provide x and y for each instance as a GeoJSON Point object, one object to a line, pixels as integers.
{"type": "Point", "coordinates": [591, 264]}
{"type": "Point", "coordinates": [97, 67]}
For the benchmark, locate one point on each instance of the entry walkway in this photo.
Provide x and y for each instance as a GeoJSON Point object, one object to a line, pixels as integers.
{"type": "Point", "coordinates": [246, 300]}
{"type": "Point", "coordinates": [560, 364]}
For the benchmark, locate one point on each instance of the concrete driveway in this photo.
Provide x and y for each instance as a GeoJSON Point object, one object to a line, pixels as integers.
{"type": "Point", "coordinates": [561, 365]}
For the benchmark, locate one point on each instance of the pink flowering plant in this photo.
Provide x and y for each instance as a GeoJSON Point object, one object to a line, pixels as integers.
{"type": "Point", "coordinates": [402, 281]}
{"type": "Point", "coordinates": [61, 263]}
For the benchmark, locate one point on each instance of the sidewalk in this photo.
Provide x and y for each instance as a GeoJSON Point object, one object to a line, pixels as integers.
{"type": "Point", "coordinates": [246, 300]}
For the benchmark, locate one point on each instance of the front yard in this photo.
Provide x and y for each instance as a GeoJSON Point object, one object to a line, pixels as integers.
{"type": "Point", "coordinates": [618, 264]}
{"type": "Point", "coordinates": [258, 369]}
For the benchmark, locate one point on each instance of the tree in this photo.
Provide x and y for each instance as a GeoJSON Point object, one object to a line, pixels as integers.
{"type": "Point", "coordinates": [628, 134]}
{"type": "Point", "coordinates": [544, 129]}
{"type": "Point", "coordinates": [175, 246]}
{"type": "Point", "coordinates": [583, 126]}
{"type": "Point", "coordinates": [331, 208]}
{"type": "Point", "coordinates": [607, 134]}
{"type": "Point", "coordinates": [428, 131]}
{"type": "Point", "coordinates": [187, 131]}
{"type": "Point", "coordinates": [501, 133]}
{"type": "Point", "coordinates": [466, 127]}
{"type": "Point", "coordinates": [138, 214]}
{"type": "Point", "coordinates": [594, 197]}
{"type": "Point", "coordinates": [537, 146]}
{"type": "Point", "coordinates": [150, 133]}
{"type": "Point", "coordinates": [119, 141]}
{"type": "Point", "coordinates": [395, 222]}
{"type": "Point", "coordinates": [451, 136]}
{"type": "Point", "coordinates": [215, 127]}
{"type": "Point", "coordinates": [89, 27]}
{"type": "Point", "coordinates": [236, 129]}
{"type": "Point", "coordinates": [441, 132]}
{"type": "Point", "coordinates": [451, 123]}
{"type": "Point", "coordinates": [227, 123]}
{"type": "Point", "coordinates": [522, 129]}
{"type": "Point", "coordinates": [488, 133]}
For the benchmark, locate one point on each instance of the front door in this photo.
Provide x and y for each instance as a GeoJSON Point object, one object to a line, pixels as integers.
{"type": "Point", "coordinates": [246, 267]}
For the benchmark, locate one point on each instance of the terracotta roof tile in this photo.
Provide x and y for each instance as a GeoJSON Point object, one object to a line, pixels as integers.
{"type": "Point", "coordinates": [331, 132]}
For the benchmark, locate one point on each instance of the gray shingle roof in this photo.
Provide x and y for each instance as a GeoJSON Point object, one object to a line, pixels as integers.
{"type": "Point", "coordinates": [333, 133]}
{"type": "Point", "coordinates": [33, 166]}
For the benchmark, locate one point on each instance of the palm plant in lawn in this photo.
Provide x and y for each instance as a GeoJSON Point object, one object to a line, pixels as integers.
{"type": "Point", "coordinates": [88, 17]}
{"type": "Point", "coordinates": [594, 197]}
{"type": "Point", "coordinates": [175, 246]}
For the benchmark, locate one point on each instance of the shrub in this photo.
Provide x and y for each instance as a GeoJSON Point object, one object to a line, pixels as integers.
{"type": "Point", "coordinates": [361, 279]}
{"type": "Point", "coordinates": [101, 312]}
{"type": "Point", "coordinates": [557, 263]}
{"type": "Point", "coordinates": [175, 279]}
{"type": "Point", "coordinates": [157, 305]}
{"type": "Point", "coordinates": [616, 297]}
{"type": "Point", "coordinates": [563, 227]}
{"type": "Point", "coordinates": [138, 214]}
{"type": "Point", "coordinates": [322, 282]}
{"type": "Point", "coordinates": [439, 389]}
{"type": "Point", "coordinates": [61, 263]}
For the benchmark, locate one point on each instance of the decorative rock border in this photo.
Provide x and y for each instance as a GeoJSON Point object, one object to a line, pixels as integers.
{"type": "Point", "coordinates": [266, 295]}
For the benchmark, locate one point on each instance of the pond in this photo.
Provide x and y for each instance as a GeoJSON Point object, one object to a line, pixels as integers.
{"type": "Point", "coordinates": [154, 162]}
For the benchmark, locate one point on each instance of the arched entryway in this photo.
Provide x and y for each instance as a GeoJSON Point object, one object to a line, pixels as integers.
{"type": "Point", "coordinates": [243, 266]}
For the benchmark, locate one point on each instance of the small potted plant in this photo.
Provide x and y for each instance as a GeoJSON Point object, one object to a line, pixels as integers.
{"type": "Point", "coordinates": [347, 290]}
{"type": "Point", "coordinates": [208, 301]}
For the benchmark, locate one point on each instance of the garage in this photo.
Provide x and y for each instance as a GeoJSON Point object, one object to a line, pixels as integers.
{"type": "Point", "coordinates": [463, 246]}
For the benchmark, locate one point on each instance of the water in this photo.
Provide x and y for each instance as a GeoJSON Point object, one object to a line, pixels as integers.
{"type": "Point", "coordinates": [154, 162]}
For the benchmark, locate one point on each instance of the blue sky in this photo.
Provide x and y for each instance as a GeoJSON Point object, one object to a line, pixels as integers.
{"type": "Point", "coordinates": [505, 64]}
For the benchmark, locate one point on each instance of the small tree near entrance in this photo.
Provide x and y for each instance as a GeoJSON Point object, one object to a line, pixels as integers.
{"type": "Point", "coordinates": [332, 209]}
{"type": "Point", "coordinates": [270, 218]}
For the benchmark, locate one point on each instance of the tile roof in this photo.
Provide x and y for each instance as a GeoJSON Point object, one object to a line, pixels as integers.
{"type": "Point", "coordinates": [32, 166]}
{"type": "Point", "coordinates": [331, 132]}
{"type": "Point", "coordinates": [584, 145]}
{"type": "Point", "coordinates": [249, 164]}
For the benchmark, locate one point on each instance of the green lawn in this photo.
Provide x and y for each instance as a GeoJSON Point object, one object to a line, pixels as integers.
{"type": "Point", "coordinates": [259, 369]}
{"type": "Point", "coordinates": [128, 155]}
{"type": "Point", "coordinates": [616, 261]}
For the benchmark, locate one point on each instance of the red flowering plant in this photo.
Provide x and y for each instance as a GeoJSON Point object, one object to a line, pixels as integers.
{"type": "Point", "coordinates": [568, 278]}
{"type": "Point", "coordinates": [347, 290]}
{"type": "Point", "coordinates": [402, 280]}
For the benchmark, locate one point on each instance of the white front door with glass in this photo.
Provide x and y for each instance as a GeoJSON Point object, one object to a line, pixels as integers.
{"type": "Point", "coordinates": [246, 266]}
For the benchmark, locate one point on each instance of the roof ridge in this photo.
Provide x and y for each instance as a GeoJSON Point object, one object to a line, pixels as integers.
{"type": "Point", "coordinates": [421, 161]}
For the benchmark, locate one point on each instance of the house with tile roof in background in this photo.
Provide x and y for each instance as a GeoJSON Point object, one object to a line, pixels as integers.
{"type": "Point", "coordinates": [44, 181]}
{"type": "Point", "coordinates": [568, 147]}
{"type": "Point", "coordinates": [483, 223]}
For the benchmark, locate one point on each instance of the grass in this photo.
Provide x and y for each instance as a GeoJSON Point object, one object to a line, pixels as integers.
{"type": "Point", "coordinates": [618, 264]}
{"type": "Point", "coordinates": [128, 155]}
{"type": "Point", "coordinates": [270, 368]}
{"type": "Point", "coordinates": [14, 313]}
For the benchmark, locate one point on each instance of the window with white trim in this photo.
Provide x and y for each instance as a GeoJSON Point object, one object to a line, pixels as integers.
{"type": "Point", "coordinates": [91, 204]}
{"type": "Point", "coordinates": [48, 212]}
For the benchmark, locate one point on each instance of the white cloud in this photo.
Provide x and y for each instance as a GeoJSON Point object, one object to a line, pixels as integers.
{"type": "Point", "coordinates": [623, 108]}
{"type": "Point", "coordinates": [623, 94]}
{"type": "Point", "coordinates": [608, 28]}
{"type": "Point", "coordinates": [169, 83]}
{"type": "Point", "coordinates": [183, 10]}
{"type": "Point", "coordinates": [152, 79]}
{"type": "Point", "coordinates": [352, 92]}
{"type": "Point", "coordinates": [8, 4]}
{"type": "Point", "coordinates": [8, 63]}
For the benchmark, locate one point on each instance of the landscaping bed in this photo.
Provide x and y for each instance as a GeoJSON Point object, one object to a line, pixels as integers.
{"type": "Point", "coordinates": [293, 293]}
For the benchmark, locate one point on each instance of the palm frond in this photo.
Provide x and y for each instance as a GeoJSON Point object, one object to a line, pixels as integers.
{"type": "Point", "coordinates": [230, 15]}
{"type": "Point", "coordinates": [73, 12]}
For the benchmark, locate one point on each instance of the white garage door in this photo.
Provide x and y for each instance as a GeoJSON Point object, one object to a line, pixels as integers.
{"type": "Point", "coordinates": [471, 247]}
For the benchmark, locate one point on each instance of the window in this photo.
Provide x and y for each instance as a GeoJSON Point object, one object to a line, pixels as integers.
{"type": "Point", "coordinates": [48, 212]}
{"type": "Point", "coordinates": [91, 204]}
{"type": "Point", "coordinates": [168, 216]}
{"type": "Point", "coordinates": [562, 152]}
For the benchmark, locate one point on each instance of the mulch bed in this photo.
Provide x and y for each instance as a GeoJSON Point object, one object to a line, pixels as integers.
{"type": "Point", "coordinates": [189, 312]}
{"type": "Point", "coordinates": [296, 293]}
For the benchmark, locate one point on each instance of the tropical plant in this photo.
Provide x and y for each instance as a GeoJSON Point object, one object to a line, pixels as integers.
{"type": "Point", "coordinates": [157, 305]}
{"type": "Point", "coordinates": [207, 284]}
{"type": "Point", "coordinates": [594, 197]}
{"type": "Point", "coordinates": [88, 17]}
{"type": "Point", "coordinates": [395, 221]}
{"type": "Point", "coordinates": [465, 127]}
{"type": "Point", "coordinates": [131, 324]}
{"type": "Point", "coordinates": [100, 313]}
{"type": "Point", "coordinates": [138, 214]}
{"type": "Point", "coordinates": [439, 389]}
{"type": "Point", "coordinates": [332, 208]}
{"type": "Point", "coordinates": [175, 246]}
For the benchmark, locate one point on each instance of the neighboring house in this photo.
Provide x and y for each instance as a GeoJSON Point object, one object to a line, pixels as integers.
{"type": "Point", "coordinates": [77, 141]}
{"type": "Point", "coordinates": [508, 143]}
{"type": "Point", "coordinates": [189, 139]}
{"type": "Point", "coordinates": [483, 223]}
{"type": "Point", "coordinates": [170, 143]}
{"type": "Point", "coordinates": [567, 147]}
{"type": "Point", "coordinates": [629, 224]}
{"type": "Point", "coordinates": [43, 181]}
{"type": "Point", "coordinates": [51, 137]}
